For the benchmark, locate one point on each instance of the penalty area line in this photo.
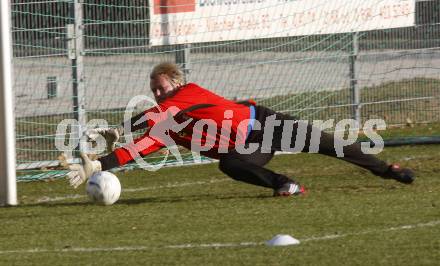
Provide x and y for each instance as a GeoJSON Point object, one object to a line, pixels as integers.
{"type": "Point", "coordinates": [129, 190]}
{"type": "Point", "coordinates": [397, 228]}
{"type": "Point", "coordinates": [216, 245]}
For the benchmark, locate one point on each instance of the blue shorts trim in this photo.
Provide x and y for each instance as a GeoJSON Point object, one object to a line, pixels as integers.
{"type": "Point", "coordinates": [251, 120]}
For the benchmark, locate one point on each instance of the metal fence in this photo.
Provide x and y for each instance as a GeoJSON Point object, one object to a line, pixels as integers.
{"type": "Point", "coordinates": [392, 74]}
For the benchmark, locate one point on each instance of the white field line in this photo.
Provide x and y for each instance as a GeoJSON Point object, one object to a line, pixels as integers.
{"type": "Point", "coordinates": [129, 190]}
{"type": "Point", "coordinates": [397, 228]}
{"type": "Point", "coordinates": [217, 245]}
{"type": "Point", "coordinates": [178, 185]}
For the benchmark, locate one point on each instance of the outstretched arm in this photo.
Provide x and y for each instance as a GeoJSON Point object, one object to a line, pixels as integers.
{"type": "Point", "coordinates": [112, 135]}
{"type": "Point", "coordinates": [141, 146]}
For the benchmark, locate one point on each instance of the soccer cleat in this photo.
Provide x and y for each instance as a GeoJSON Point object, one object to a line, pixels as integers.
{"type": "Point", "coordinates": [288, 189]}
{"type": "Point", "coordinates": [403, 175]}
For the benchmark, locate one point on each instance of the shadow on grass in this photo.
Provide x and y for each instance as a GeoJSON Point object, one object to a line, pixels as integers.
{"type": "Point", "coordinates": [155, 200]}
{"type": "Point", "coordinates": [192, 198]}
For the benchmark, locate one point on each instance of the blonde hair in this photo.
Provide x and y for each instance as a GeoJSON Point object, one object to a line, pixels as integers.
{"type": "Point", "coordinates": [171, 70]}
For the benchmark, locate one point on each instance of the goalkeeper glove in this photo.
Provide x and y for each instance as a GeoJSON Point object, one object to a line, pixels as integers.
{"type": "Point", "coordinates": [83, 171]}
{"type": "Point", "coordinates": [111, 135]}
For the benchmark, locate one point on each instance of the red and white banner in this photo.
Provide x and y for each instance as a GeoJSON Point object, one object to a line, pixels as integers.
{"type": "Point", "coordinates": [190, 21]}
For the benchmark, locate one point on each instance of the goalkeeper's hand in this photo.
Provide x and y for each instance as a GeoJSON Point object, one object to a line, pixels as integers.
{"type": "Point", "coordinates": [83, 171]}
{"type": "Point", "coordinates": [111, 136]}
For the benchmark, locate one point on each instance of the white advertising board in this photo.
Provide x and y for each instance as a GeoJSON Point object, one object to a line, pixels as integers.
{"type": "Point", "coordinates": [190, 21]}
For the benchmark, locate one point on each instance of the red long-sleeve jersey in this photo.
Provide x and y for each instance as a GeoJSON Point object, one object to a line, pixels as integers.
{"type": "Point", "coordinates": [213, 130]}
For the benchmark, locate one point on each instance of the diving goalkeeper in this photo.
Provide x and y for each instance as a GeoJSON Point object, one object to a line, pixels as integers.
{"type": "Point", "coordinates": [242, 135]}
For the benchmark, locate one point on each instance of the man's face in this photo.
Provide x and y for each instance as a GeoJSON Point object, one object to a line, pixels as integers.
{"type": "Point", "coordinates": [161, 86]}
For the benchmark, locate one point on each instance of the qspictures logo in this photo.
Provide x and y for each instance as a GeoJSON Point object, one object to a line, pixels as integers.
{"type": "Point", "coordinates": [173, 6]}
{"type": "Point", "coordinates": [165, 129]}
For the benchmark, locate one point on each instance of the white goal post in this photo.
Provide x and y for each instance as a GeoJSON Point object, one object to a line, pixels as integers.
{"type": "Point", "coordinates": [8, 190]}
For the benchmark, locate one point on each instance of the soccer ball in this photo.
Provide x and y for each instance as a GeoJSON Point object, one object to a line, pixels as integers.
{"type": "Point", "coordinates": [103, 188]}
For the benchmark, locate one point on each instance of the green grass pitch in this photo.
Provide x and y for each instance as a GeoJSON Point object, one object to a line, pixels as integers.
{"type": "Point", "coordinates": [195, 215]}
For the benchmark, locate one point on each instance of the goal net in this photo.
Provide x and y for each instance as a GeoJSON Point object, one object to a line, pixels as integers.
{"type": "Point", "coordinates": [315, 59]}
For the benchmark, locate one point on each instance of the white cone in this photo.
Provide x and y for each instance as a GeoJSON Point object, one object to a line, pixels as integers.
{"type": "Point", "coordinates": [282, 240]}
